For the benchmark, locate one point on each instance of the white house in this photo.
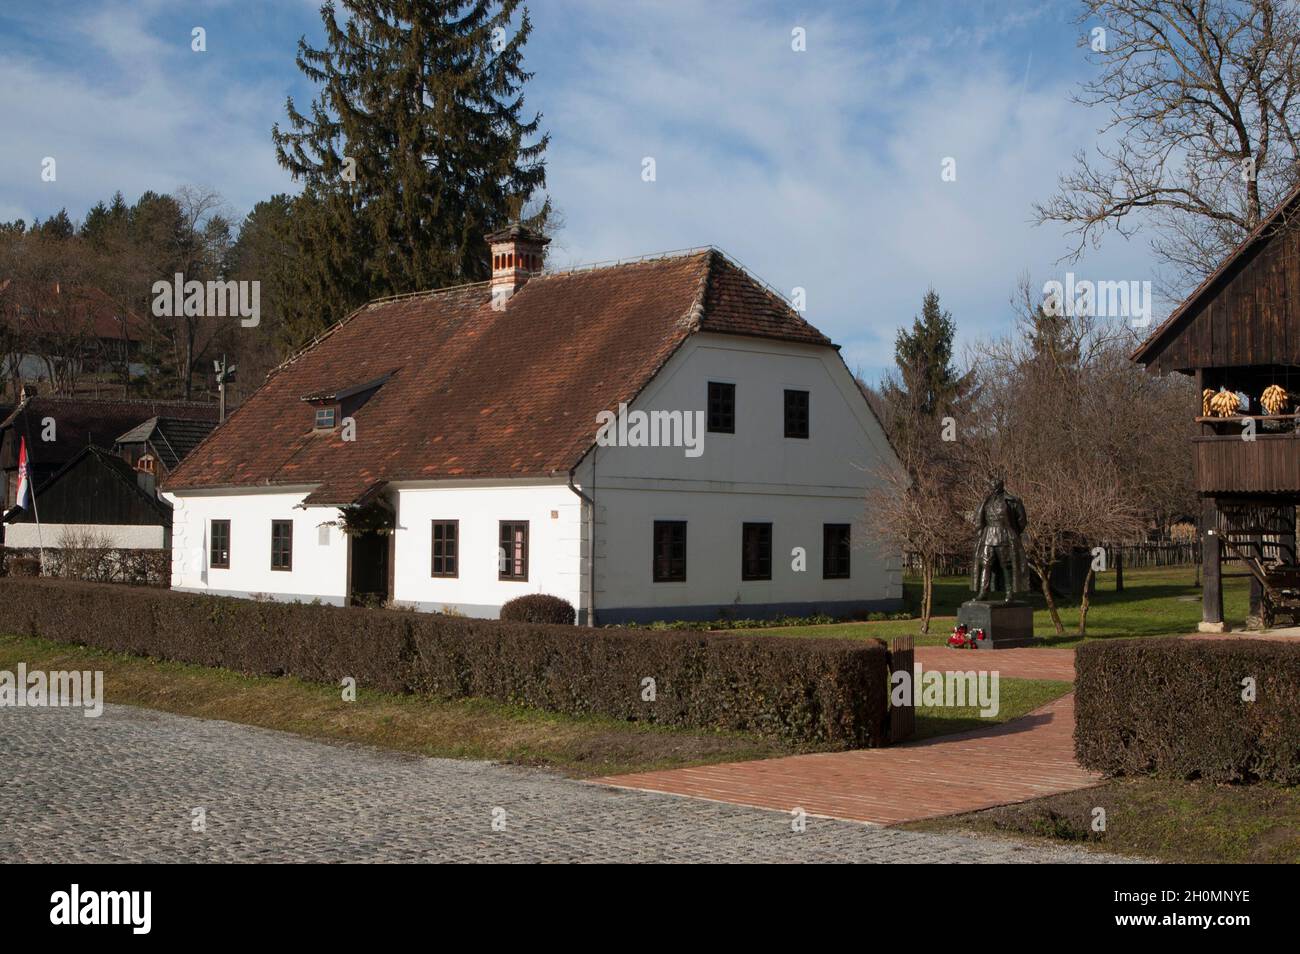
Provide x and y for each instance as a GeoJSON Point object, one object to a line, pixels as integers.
{"type": "Point", "coordinates": [457, 448]}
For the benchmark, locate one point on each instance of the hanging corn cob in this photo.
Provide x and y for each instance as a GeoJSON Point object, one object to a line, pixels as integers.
{"type": "Point", "coordinates": [1225, 404]}
{"type": "Point", "coordinates": [1205, 401]}
{"type": "Point", "coordinates": [1274, 399]}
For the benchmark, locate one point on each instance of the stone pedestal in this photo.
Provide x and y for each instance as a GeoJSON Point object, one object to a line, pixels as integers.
{"type": "Point", "coordinates": [1005, 625]}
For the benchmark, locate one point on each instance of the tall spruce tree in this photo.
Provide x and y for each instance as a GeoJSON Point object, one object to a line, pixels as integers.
{"type": "Point", "coordinates": [927, 385]}
{"type": "Point", "coordinates": [415, 146]}
{"type": "Point", "coordinates": [919, 511]}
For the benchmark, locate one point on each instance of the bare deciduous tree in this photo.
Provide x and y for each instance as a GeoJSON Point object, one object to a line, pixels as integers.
{"type": "Point", "coordinates": [1203, 136]}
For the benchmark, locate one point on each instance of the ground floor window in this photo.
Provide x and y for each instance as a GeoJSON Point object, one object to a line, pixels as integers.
{"type": "Point", "coordinates": [281, 544]}
{"type": "Point", "coordinates": [514, 550]}
{"type": "Point", "coordinates": [219, 545]}
{"type": "Point", "coordinates": [756, 551]}
{"type": "Point", "coordinates": [670, 551]}
{"type": "Point", "coordinates": [446, 547]}
{"type": "Point", "coordinates": [835, 551]}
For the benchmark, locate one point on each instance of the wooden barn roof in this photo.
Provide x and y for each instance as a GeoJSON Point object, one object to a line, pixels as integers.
{"type": "Point", "coordinates": [1253, 324]}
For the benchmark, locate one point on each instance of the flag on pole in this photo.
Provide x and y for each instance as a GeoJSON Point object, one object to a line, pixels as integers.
{"type": "Point", "coordinates": [24, 498]}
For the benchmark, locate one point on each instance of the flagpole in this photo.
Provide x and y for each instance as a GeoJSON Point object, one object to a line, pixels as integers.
{"type": "Point", "coordinates": [25, 451]}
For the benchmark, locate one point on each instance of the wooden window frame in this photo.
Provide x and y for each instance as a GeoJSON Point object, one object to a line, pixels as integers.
{"type": "Point", "coordinates": [213, 562]}
{"type": "Point", "coordinates": [507, 542]}
{"type": "Point", "coordinates": [662, 569]}
{"type": "Point", "coordinates": [802, 415]}
{"type": "Point", "coordinates": [829, 558]}
{"type": "Point", "coordinates": [721, 402]}
{"type": "Point", "coordinates": [288, 567]}
{"type": "Point", "coordinates": [453, 556]}
{"type": "Point", "coordinates": [752, 564]}
{"type": "Point", "coordinates": [333, 411]}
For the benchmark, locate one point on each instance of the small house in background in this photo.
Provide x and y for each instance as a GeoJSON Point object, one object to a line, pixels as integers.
{"type": "Point", "coordinates": [94, 468]}
{"type": "Point", "coordinates": [98, 501]}
{"type": "Point", "coordinates": [1238, 335]}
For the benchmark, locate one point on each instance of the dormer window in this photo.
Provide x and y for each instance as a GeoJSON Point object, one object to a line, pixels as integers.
{"type": "Point", "coordinates": [326, 418]}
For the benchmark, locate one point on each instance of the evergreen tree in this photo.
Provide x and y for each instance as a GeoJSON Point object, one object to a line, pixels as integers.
{"type": "Point", "coordinates": [927, 385]}
{"type": "Point", "coordinates": [415, 146]}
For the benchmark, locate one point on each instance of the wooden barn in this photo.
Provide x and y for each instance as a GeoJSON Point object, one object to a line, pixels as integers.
{"type": "Point", "coordinates": [1238, 335]}
{"type": "Point", "coordinates": [96, 497]}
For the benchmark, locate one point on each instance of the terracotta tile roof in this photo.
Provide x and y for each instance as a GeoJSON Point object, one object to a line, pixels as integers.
{"type": "Point", "coordinates": [84, 311]}
{"type": "Point", "coordinates": [478, 392]}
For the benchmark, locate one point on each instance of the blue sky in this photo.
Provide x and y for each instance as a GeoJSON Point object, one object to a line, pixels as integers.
{"type": "Point", "coordinates": [818, 169]}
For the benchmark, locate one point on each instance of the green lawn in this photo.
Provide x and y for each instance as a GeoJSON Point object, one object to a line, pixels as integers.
{"type": "Point", "coordinates": [1016, 697]}
{"type": "Point", "coordinates": [1155, 602]}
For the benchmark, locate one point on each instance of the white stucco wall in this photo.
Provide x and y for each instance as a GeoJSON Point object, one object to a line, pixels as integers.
{"type": "Point", "coordinates": [753, 475]}
{"type": "Point", "coordinates": [554, 515]}
{"type": "Point", "coordinates": [49, 535]}
{"type": "Point", "coordinates": [319, 569]}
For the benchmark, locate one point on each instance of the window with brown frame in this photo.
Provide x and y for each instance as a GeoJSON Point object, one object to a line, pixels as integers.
{"type": "Point", "coordinates": [796, 414]}
{"type": "Point", "coordinates": [219, 545]}
{"type": "Point", "coordinates": [756, 551]}
{"type": "Point", "coordinates": [281, 544]}
{"type": "Point", "coordinates": [836, 544]}
{"type": "Point", "coordinates": [722, 407]}
{"type": "Point", "coordinates": [514, 550]}
{"type": "Point", "coordinates": [670, 551]}
{"type": "Point", "coordinates": [446, 548]}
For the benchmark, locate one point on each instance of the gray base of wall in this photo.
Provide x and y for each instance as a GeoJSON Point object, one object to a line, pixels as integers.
{"type": "Point", "coordinates": [607, 616]}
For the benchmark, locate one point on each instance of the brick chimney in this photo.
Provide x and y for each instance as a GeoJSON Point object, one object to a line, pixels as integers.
{"type": "Point", "coordinates": [517, 255]}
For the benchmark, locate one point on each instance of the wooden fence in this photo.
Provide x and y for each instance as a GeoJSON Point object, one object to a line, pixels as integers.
{"type": "Point", "coordinates": [1134, 555]}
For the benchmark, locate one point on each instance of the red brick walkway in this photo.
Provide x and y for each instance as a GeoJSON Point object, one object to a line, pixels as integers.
{"type": "Point", "coordinates": [1025, 758]}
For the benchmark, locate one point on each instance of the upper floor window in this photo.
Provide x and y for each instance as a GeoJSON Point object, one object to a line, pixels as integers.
{"type": "Point", "coordinates": [325, 417]}
{"type": "Point", "coordinates": [756, 551]}
{"type": "Point", "coordinates": [796, 414]}
{"type": "Point", "coordinates": [219, 545]}
{"type": "Point", "coordinates": [446, 547]}
{"type": "Point", "coordinates": [281, 544]}
{"type": "Point", "coordinates": [670, 551]}
{"type": "Point", "coordinates": [722, 408]}
{"type": "Point", "coordinates": [836, 541]}
{"type": "Point", "coordinates": [514, 550]}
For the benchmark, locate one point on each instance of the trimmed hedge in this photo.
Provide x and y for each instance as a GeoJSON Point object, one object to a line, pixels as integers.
{"type": "Point", "coordinates": [805, 691]}
{"type": "Point", "coordinates": [539, 608]}
{"type": "Point", "coordinates": [1174, 707]}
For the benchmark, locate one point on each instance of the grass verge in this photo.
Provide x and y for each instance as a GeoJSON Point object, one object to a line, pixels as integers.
{"type": "Point", "coordinates": [1174, 821]}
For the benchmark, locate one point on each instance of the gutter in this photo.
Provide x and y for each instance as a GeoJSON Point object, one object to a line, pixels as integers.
{"type": "Point", "coordinates": [590, 504]}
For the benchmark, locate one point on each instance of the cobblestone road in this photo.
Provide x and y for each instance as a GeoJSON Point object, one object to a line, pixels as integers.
{"type": "Point", "coordinates": [123, 787]}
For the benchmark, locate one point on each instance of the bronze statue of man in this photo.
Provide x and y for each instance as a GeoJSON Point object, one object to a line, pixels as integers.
{"type": "Point", "coordinates": [999, 524]}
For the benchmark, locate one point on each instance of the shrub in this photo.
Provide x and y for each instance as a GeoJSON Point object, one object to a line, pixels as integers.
{"type": "Point", "coordinates": [539, 608]}
{"type": "Point", "coordinates": [806, 691]}
{"type": "Point", "coordinates": [1175, 707]}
